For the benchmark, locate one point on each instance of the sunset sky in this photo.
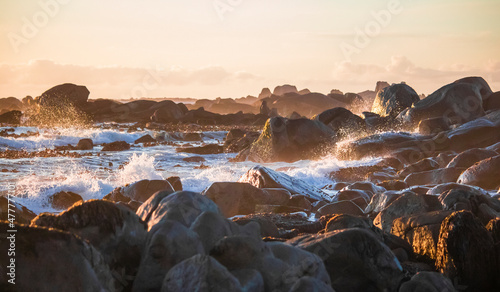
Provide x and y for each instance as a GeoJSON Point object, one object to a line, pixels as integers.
{"type": "Point", "coordinates": [233, 48]}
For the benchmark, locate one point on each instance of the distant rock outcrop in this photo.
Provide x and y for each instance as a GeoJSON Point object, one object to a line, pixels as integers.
{"type": "Point", "coordinates": [284, 89]}
{"type": "Point", "coordinates": [381, 85]}
{"type": "Point", "coordinates": [67, 92]}
{"type": "Point", "coordinates": [265, 93]}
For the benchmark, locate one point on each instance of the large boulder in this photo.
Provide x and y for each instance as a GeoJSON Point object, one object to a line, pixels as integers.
{"type": "Point", "coordinates": [200, 273]}
{"type": "Point", "coordinates": [284, 89]}
{"type": "Point", "coordinates": [51, 260]}
{"type": "Point", "coordinates": [288, 140]}
{"type": "Point", "coordinates": [64, 93]}
{"type": "Point", "coordinates": [342, 121]}
{"type": "Point", "coordinates": [241, 198]}
{"type": "Point", "coordinates": [22, 214]}
{"type": "Point", "coordinates": [168, 112]}
{"type": "Point", "coordinates": [355, 259]}
{"type": "Point", "coordinates": [139, 191]}
{"type": "Point", "coordinates": [263, 177]}
{"type": "Point", "coordinates": [167, 244]}
{"type": "Point", "coordinates": [459, 102]}
{"type": "Point", "coordinates": [466, 252]}
{"type": "Point", "coordinates": [469, 157]}
{"type": "Point", "coordinates": [116, 231]}
{"type": "Point", "coordinates": [483, 174]}
{"type": "Point", "coordinates": [493, 102]}
{"type": "Point", "coordinates": [428, 281]}
{"type": "Point", "coordinates": [392, 100]}
{"type": "Point", "coordinates": [11, 117]}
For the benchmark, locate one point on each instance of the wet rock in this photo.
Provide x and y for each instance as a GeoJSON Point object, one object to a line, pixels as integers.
{"type": "Point", "coordinates": [192, 137]}
{"type": "Point", "coordinates": [358, 197]}
{"type": "Point", "coordinates": [250, 279]}
{"type": "Point", "coordinates": [175, 182]}
{"type": "Point", "coordinates": [355, 174]}
{"type": "Point", "coordinates": [141, 190]}
{"type": "Point", "coordinates": [425, 164]}
{"type": "Point", "coordinates": [168, 112]}
{"type": "Point", "coordinates": [493, 102]}
{"type": "Point", "coordinates": [342, 121]}
{"type": "Point", "coordinates": [147, 208]}
{"type": "Point", "coordinates": [117, 232]}
{"type": "Point", "coordinates": [196, 159]}
{"type": "Point", "coordinates": [471, 200]}
{"type": "Point", "coordinates": [183, 207]}
{"type": "Point", "coordinates": [393, 185]}
{"type": "Point", "coordinates": [394, 99]}
{"type": "Point", "coordinates": [45, 257]}
{"type": "Point", "coordinates": [64, 200]}
{"type": "Point", "coordinates": [381, 201]}
{"type": "Point", "coordinates": [341, 207]}
{"type": "Point", "coordinates": [421, 231]}
{"type": "Point", "coordinates": [238, 145]}
{"type": "Point", "coordinates": [116, 146]}
{"type": "Point", "coordinates": [434, 177]}
{"type": "Point", "coordinates": [11, 117]}
{"type": "Point", "coordinates": [355, 259]}
{"type": "Point", "coordinates": [428, 281]}
{"type": "Point", "coordinates": [85, 144]}
{"type": "Point", "coordinates": [406, 205]}
{"type": "Point", "coordinates": [299, 201]}
{"type": "Point", "coordinates": [466, 252]}
{"type": "Point", "coordinates": [478, 133]}
{"type": "Point", "coordinates": [263, 177]}
{"type": "Point", "coordinates": [483, 174]}
{"type": "Point", "coordinates": [241, 198]}
{"type": "Point", "coordinates": [433, 126]}
{"type": "Point", "coordinates": [439, 189]}
{"type": "Point", "coordinates": [145, 139]}
{"type": "Point", "coordinates": [345, 221]}
{"type": "Point", "coordinates": [202, 150]}
{"type": "Point", "coordinates": [288, 140]}
{"type": "Point", "coordinates": [267, 227]}
{"type": "Point", "coordinates": [368, 187]}
{"type": "Point", "coordinates": [23, 214]}
{"type": "Point", "coordinates": [167, 244]}
{"type": "Point", "coordinates": [469, 157]}
{"type": "Point", "coordinates": [200, 273]}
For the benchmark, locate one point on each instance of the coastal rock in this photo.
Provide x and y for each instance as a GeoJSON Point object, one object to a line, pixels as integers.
{"type": "Point", "coordinates": [469, 157]}
{"type": "Point", "coordinates": [116, 146]}
{"type": "Point", "coordinates": [265, 93]}
{"type": "Point", "coordinates": [342, 121]}
{"type": "Point", "coordinates": [442, 188]}
{"type": "Point", "coordinates": [428, 281]}
{"type": "Point", "coordinates": [284, 89]}
{"type": "Point", "coordinates": [23, 214]}
{"type": "Point", "coordinates": [355, 259]}
{"type": "Point", "coordinates": [11, 117]}
{"type": "Point", "coordinates": [241, 198]}
{"type": "Point", "coordinates": [483, 174]}
{"type": "Point", "coordinates": [392, 100]}
{"type": "Point", "coordinates": [345, 221]}
{"type": "Point", "coordinates": [200, 273]}
{"type": "Point", "coordinates": [196, 159]}
{"type": "Point", "coordinates": [175, 182]}
{"type": "Point", "coordinates": [148, 207]}
{"type": "Point", "coordinates": [202, 150]}
{"type": "Point", "coordinates": [263, 177]}
{"type": "Point", "coordinates": [168, 112]}
{"type": "Point", "coordinates": [478, 133]}
{"type": "Point", "coordinates": [183, 207]}
{"type": "Point", "coordinates": [310, 284]}
{"type": "Point", "coordinates": [85, 144]}
{"type": "Point", "coordinates": [380, 201]}
{"type": "Point", "coordinates": [368, 187]}
{"type": "Point", "coordinates": [142, 190]}
{"type": "Point", "coordinates": [466, 252]}
{"type": "Point", "coordinates": [67, 92]}
{"type": "Point", "coordinates": [358, 197]}
{"type": "Point", "coordinates": [434, 177]}
{"type": "Point", "coordinates": [116, 231]}
{"type": "Point", "coordinates": [288, 140]}
{"type": "Point", "coordinates": [250, 279]}
{"type": "Point", "coordinates": [433, 126]}
{"type": "Point", "coordinates": [493, 102]}
{"type": "Point", "coordinates": [145, 139]}
{"type": "Point", "coordinates": [45, 257]}
{"type": "Point", "coordinates": [480, 204]}
{"type": "Point", "coordinates": [341, 207]}
{"type": "Point", "coordinates": [459, 102]}
{"type": "Point", "coordinates": [167, 244]}
{"type": "Point", "coordinates": [425, 164]}
{"type": "Point", "coordinates": [64, 200]}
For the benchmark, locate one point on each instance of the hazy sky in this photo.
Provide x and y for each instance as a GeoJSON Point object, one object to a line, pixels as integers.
{"type": "Point", "coordinates": [232, 48]}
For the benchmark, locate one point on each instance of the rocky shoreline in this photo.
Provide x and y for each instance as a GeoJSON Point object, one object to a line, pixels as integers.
{"type": "Point", "coordinates": [426, 217]}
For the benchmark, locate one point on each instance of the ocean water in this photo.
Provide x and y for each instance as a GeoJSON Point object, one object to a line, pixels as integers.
{"type": "Point", "coordinates": [92, 177]}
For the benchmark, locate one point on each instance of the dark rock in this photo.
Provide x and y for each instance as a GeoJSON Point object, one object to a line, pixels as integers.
{"type": "Point", "coordinates": [341, 207]}
{"type": "Point", "coordinates": [117, 232]}
{"type": "Point", "coordinates": [393, 185]}
{"type": "Point", "coordinates": [242, 198]}
{"type": "Point", "coordinates": [466, 252]}
{"type": "Point", "coordinates": [299, 201]}
{"type": "Point", "coordinates": [11, 117]}
{"type": "Point", "coordinates": [167, 244]}
{"type": "Point", "coordinates": [267, 227]}
{"type": "Point", "coordinates": [434, 177]}
{"type": "Point", "coordinates": [345, 221]}
{"type": "Point", "coordinates": [355, 259]}
{"type": "Point", "coordinates": [425, 164]}
{"type": "Point", "coordinates": [200, 273]}
{"type": "Point", "coordinates": [442, 188]}
{"type": "Point", "coordinates": [478, 133]}
{"type": "Point", "coordinates": [116, 146]}
{"type": "Point", "coordinates": [141, 190]}
{"type": "Point", "coordinates": [381, 201]}
{"type": "Point", "coordinates": [263, 177]}
{"type": "Point", "coordinates": [196, 159]}
{"type": "Point", "coordinates": [493, 102]}
{"type": "Point", "coordinates": [342, 121]}
{"type": "Point", "coordinates": [145, 139]}
{"type": "Point", "coordinates": [483, 174]}
{"type": "Point", "coordinates": [471, 200]}
{"type": "Point", "coordinates": [85, 144]}
{"type": "Point", "coordinates": [358, 197]}
{"type": "Point", "coordinates": [192, 137]}
{"type": "Point", "coordinates": [202, 150]}
{"type": "Point", "coordinates": [168, 112]}
{"type": "Point", "coordinates": [64, 200]}
{"type": "Point", "coordinates": [469, 157]}
{"type": "Point", "coordinates": [43, 256]}
{"type": "Point", "coordinates": [369, 187]}
{"type": "Point", "coordinates": [433, 126]}
{"type": "Point", "coordinates": [288, 140]}
{"type": "Point", "coordinates": [394, 99]}
{"type": "Point", "coordinates": [175, 182]}
{"type": "Point", "coordinates": [23, 214]}
{"type": "Point", "coordinates": [147, 208]}
{"type": "Point", "coordinates": [310, 284]}
{"type": "Point", "coordinates": [428, 281]}
{"type": "Point", "coordinates": [74, 94]}
{"type": "Point", "coordinates": [250, 279]}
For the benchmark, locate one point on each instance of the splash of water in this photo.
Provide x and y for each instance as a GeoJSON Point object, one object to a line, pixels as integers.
{"type": "Point", "coordinates": [139, 167]}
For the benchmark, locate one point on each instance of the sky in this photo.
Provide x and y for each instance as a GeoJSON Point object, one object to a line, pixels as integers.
{"type": "Point", "coordinates": [234, 48]}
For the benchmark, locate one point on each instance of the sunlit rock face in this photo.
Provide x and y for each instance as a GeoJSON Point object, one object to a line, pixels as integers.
{"type": "Point", "coordinates": [392, 100]}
